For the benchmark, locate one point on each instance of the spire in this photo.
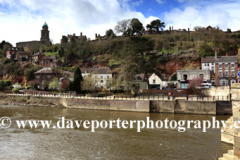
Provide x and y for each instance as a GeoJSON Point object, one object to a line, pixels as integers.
{"type": "Point", "coordinates": [45, 24]}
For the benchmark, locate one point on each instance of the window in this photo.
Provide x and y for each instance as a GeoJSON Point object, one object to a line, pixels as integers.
{"type": "Point", "coordinates": [48, 76]}
{"type": "Point", "coordinates": [233, 73]}
{"type": "Point", "coordinates": [232, 65]}
{"type": "Point", "coordinates": [101, 77]}
{"type": "Point", "coordinates": [12, 52]}
{"type": "Point", "coordinates": [139, 78]}
{"type": "Point", "coordinates": [185, 77]}
{"type": "Point", "coordinates": [226, 65]}
{"type": "Point", "coordinates": [226, 73]}
{"type": "Point", "coordinates": [20, 56]}
{"type": "Point", "coordinates": [201, 75]}
{"type": "Point", "coordinates": [212, 63]}
{"type": "Point", "coordinates": [26, 56]}
{"type": "Point", "coordinates": [207, 64]}
{"type": "Point", "coordinates": [154, 81]}
{"type": "Point", "coordinates": [220, 65]}
{"type": "Point", "coordinates": [101, 81]}
{"type": "Point", "coordinates": [220, 74]}
{"type": "Point", "coordinates": [212, 67]}
{"type": "Point", "coordinates": [38, 77]}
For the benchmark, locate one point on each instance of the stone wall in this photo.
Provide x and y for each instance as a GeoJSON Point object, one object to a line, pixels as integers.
{"type": "Point", "coordinates": [217, 91]}
{"type": "Point", "coordinates": [162, 106]}
{"type": "Point", "coordinates": [200, 107]}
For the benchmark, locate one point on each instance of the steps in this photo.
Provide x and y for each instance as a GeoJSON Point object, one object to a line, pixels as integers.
{"type": "Point", "coordinates": [229, 156]}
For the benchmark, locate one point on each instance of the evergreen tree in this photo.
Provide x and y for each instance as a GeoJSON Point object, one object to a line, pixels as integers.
{"type": "Point", "coordinates": [77, 80]}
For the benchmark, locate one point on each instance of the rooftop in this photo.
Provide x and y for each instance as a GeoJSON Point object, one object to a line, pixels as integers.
{"type": "Point", "coordinates": [211, 59]}
{"type": "Point", "coordinates": [45, 70]}
{"type": "Point", "coordinates": [102, 70]}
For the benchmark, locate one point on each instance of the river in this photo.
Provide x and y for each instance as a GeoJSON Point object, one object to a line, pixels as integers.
{"type": "Point", "coordinates": [104, 144]}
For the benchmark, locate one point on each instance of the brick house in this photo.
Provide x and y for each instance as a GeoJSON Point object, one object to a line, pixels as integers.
{"type": "Point", "coordinates": [11, 52]}
{"type": "Point", "coordinates": [226, 70]}
{"type": "Point", "coordinates": [46, 61]}
{"type": "Point", "coordinates": [57, 62]}
{"type": "Point", "coordinates": [45, 74]}
{"type": "Point", "coordinates": [36, 57]}
{"type": "Point", "coordinates": [22, 55]}
{"type": "Point", "coordinates": [64, 82]}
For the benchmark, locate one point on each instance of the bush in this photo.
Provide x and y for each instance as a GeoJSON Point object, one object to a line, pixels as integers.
{"type": "Point", "coordinates": [6, 61]}
{"type": "Point", "coordinates": [16, 90]}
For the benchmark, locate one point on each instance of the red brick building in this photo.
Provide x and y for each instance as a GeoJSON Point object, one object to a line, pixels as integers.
{"type": "Point", "coordinates": [22, 56]}
{"type": "Point", "coordinates": [11, 52]}
{"type": "Point", "coordinates": [226, 70]}
{"type": "Point", "coordinates": [46, 61]}
{"type": "Point", "coordinates": [45, 74]}
{"type": "Point", "coordinates": [36, 57]}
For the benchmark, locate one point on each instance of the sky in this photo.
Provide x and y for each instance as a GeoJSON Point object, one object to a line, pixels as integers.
{"type": "Point", "coordinates": [22, 20]}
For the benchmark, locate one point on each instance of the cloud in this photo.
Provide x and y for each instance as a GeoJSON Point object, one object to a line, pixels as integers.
{"type": "Point", "coordinates": [224, 15]}
{"type": "Point", "coordinates": [23, 20]}
{"type": "Point", "coordinates": [160, 1]}
{"type": "Point", "coordinates": [137, 3]}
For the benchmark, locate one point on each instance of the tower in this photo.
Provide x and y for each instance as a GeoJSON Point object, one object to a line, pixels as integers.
{"type": "Point", "coordinates": [45, 34]}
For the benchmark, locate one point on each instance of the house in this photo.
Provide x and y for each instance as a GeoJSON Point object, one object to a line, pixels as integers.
{"type": "Point", "coordinates": [185, 76]}
{"type": "Point", "coordinates": [86, 72]}
{"type": "Point", "coordinates": [16, 85]}
{"type": "Point", "coordinates": [158, 81]}
{"type": "Point", "coordinates": [68, 37]}
{"type": "Point", "coordinates": [45, 74]}
{"type": "Point", "coordinates": [46, 61]}
{"type": "Point", "coordinates": [64, 82]}
{"type": "Point", "coordinates": [226, 70]}
{"type": "Point", "coordinates": [36, 57]}
{"type": "Point", "coordinates": [56, 62]}
{"type": "Point", "coordinates": [103, 77]}
{"type": "Point", "coordinates": [11, 52]}
{"type": "Point", "coordinates": [22, 56]}
{"type": "Point", "coordinates": [139, 81]}
{"type": "Point", "coordinates": [208, 63]}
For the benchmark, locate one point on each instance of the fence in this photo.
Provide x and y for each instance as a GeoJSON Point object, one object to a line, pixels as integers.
{"type": "Point", "coordinates": [150, 97]}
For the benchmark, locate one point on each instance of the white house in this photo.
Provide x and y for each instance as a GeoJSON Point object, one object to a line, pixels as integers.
{"type": "Point", "coordinates": [16, 85]}
{"type": "Point", "coordinates": [157, 81]}
{"type": "Point", "coordinates": [185, 76]}
{"type": "Point", "coordinates": [103, 77]}
{"type": "Point", "coordinates": [86, 72]}
{"type": "Point", "coordinates": [208, 63]}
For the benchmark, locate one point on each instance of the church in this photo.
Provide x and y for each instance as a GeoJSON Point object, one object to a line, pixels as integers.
{"type": "Point", "coordinates": [35, 45]}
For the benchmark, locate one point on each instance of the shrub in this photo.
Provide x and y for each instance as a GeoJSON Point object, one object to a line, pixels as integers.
{"type": "Point", "coordinates": [16, 90]}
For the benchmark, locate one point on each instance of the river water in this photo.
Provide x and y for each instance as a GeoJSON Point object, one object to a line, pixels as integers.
{"type": "Point", "coordinates": [104, 144]}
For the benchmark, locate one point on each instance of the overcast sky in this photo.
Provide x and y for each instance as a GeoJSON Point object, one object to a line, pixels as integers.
{"type": "Point", "coordinates": [22, 20]}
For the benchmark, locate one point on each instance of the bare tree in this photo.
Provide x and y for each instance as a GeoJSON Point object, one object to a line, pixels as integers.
{"type": "Point", "coordinates": [122, 26]}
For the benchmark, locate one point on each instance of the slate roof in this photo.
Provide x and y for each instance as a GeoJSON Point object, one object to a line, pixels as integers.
{"type": "Point", "coordinates": [86, 70]}
{"type": "Point", "coordinates": [102, 70]}
{"type": "Point", "coordinates": [211, 59]}
{"type": "Point", "coordinates": [45, 70]}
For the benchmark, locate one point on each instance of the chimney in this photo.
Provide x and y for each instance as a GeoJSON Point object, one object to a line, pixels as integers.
{"type": "Point", "coordinates": [95, 35]}
{"type": "Point", "coordinates": [169, 28]}
{"type": "Point", "coordinates": [74, 34]}
{"type": "Point", "coordinates": [188, 29]}
{"type": "Point", "coordinates": [172, 28]}
{"type": "Point", "coordinates": [98, 35]}
{"type": "Point", "coordinates": [81, 34]}
{"type": "Point", "coordinates": [215, 55]}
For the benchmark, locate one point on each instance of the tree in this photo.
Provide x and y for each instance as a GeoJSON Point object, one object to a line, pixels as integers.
{"type": "Point", "coordinates": [45, 85]}
{"type": "Point", "coordinates": [77, 80]}
{"type": "Point", "coordinates": [147, 60]}
{"type": "Point", "coordinates": [109, 32]}
{"type": "Point", "coordinates": [89, 83]}
{"type": "Point", "coordinates": [64, 85]}
{"type": "Point", "coordinates": [156, 25]}
{"type": "Point", "coordinates": [122, 26]}
{"type": "Point", "coordinates": [136, 26]}
{"type": "Point", "coordinates": [54, 84]}
{"type": "Point", "coordinates": [195, 83]}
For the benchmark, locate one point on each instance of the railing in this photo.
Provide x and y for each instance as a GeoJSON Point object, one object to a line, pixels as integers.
{"type": "Point", "coordinates": [150, 97]}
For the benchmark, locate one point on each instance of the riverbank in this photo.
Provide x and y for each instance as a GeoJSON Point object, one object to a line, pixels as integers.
{"type": "Point", "coordinates": [154, 105]}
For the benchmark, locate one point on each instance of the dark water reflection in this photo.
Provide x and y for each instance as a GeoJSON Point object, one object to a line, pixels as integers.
{"type": "Point", "coordinates": [159, 144]}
